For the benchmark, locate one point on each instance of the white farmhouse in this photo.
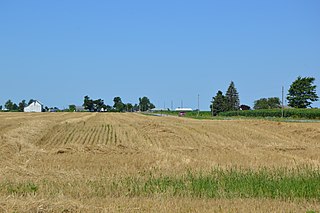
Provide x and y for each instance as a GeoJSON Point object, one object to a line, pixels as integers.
{"type": "Point", "coordinates": [35, 106]}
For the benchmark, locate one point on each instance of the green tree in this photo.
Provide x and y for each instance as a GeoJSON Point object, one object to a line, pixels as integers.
{"type": "Point", "coordinates": [22, 105]}
{"type": "Point", "coordinates": [232, 97]}
{"type": "Point", "coordinates": [302, 92]}
{"type": "Point", "coordinates": [136, 107]}
{"type": "Point", "coordinates": [109, 108]}
{"type": "Point", "coordinates": [9, 105]}
{"type": "Point", "coordinates": [15, 107]}
{"type": "Point", "coordinates": [72, 108]}
{"type": "Point", "coordinates": [219, 104]}
{"type": "Point", "coordinates": [88, 103]}
{"type": "Point", "coordinates": [129, 107]}
{"type": "Point", "coordinates": [118, 104]}
{"type": "Point", "coordinates": [0, 107]}
{"type": "Point", "coordinates": [98, 105]}
{"type": "Point", "coordinates": [145, 104]}
{"type": "Point", "coordinates": [267, 103]}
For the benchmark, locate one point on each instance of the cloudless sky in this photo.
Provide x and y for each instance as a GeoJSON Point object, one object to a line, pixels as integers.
{"type": "Point", "coordinates": [59, 51]}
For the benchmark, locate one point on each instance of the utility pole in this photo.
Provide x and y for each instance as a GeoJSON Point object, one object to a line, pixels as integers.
{"type": "Point", "coordinates": [212, 106]}
{"type": "Point", "coordinates": [198, 105]}
{"type": "Point", "coordinates": [282, 111]}
{"type": "Point", "coordinates": [171, 105]}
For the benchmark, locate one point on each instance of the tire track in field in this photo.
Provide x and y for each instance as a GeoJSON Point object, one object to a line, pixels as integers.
{"type": "Point", "coordinates": [70, 135]}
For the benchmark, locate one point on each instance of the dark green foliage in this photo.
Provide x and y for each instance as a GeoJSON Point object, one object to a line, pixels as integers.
{"type": "Point", "coordinates": [93, 105]}
{"type": "Point", "coordinates": [118, 105]}
{"type": "Point", "coordinates": [108, 108]}
{"type": "Point", "coordinates": [98, 105]}
{"type": "Point", "coordinates": [267, 103]}
{"type": "Point", "coordinates": [22, 105]}
{"type": "Point", "coordinates": [293, 113]}
{"type": "Point", "coordinates": [232, 98]}
{"type": "Point", "coordinates": [245, 107]}
{"type": "Point", "coordinates": [145, 104]}
{"type": "Point", "coordinates": [72, 108]}
{"type": "Point", "coordinates": [219, 104]}
{"type": "Point", "coordinates": [129, 107]}
{"type": "Point", "coordinates": [10, 106]}
{"type": "Point", "coordinates": [15, 107]}
{"type": "Point", "coordinates": [88, 103]}
{"type": "Point", "coordinates": [136, 107]}
{"type": "Point", "coordinates": [302, 92]}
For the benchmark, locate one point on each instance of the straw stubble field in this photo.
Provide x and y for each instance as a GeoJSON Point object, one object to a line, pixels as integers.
{"type": "Point", "coordinates": [91, 162]}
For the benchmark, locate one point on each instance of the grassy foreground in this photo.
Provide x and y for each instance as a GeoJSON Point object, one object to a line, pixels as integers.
{"type": "Point", "coordinates": [286, 184]}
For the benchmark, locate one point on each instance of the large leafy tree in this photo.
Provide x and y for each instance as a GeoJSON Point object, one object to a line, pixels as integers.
{"type": "Point", "coordinates": [72, 108]}
{"type": "Point", "coordinates": [118, 104]}
{"type": "Point", "coordinates": [93, 105]}
{"type": "Point", "coordinates": [88, 103]}
{"type": "Point", "coordinates": [232, 98]}
{"type": "Point", "coordinates": [22, 105]}
{"type": "Point", "coordinates": [267, 103]}
{"type": "Point", "coordinates": [145, 104]}
{"type": "Point", "coordinates": [302, 92]}
{"type": "Point", "coordinates": [98, 105]}
{"type": "Point", "coordinates": [9, 105]}
{"type": "Point", "coordinates": [129, 107]}
{"type": "Point", "coordinates": [219, 103]}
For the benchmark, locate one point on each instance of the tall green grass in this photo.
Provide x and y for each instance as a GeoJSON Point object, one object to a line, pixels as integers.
{"type": "Point", "coordinates": [230, 183]}
{"type": "Point", "coordinates": [286, 184]}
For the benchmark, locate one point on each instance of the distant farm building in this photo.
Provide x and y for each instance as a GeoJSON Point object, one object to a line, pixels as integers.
{"type": "Point", "coordinates": [80, 109]}
{"type": "Point", "coordinates": [35, 106]}
{"type": "Point", "coordinates": [158, 109]}
{"type": "Point", "coordinates": [183, 110]}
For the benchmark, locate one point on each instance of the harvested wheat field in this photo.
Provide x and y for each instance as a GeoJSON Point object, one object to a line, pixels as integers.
{"type": "Point", "coordinates": [92, 162]}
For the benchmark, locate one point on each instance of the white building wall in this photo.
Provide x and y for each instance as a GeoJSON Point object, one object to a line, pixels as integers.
{"type": "Point", "coordinates": [34, 107]}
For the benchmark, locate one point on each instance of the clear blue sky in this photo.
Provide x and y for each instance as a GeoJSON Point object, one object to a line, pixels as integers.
{"type": "Point", "coordinates": [59, 51]}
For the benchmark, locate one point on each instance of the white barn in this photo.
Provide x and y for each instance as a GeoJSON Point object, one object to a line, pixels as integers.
{"type": "Point", "coordinates": [35, 106]}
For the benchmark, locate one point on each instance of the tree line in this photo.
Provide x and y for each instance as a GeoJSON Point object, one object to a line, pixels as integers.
{"type": "Point", "coordinates": [13, 107]}
{"type": "Point", "coordinates": [89, 104]}
{"type": "Point", "coordinates": [301, 94]}
{"type": "Point", "coordinates": [98, 105]}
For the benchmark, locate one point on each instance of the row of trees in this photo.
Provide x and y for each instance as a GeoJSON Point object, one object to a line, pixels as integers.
{"type": "Point", "coordinates": [89, 104]}
{"type": "Point", "coordinates": [11, 106]}
{"type": "Point", "coordinates": [301, 94]}
{"type": "Point", "coordinates": [118, 106]}
{"type": "Point", "coordinates": [228, 102]}
{"type": "Point", "coordinates": [267, 103]}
